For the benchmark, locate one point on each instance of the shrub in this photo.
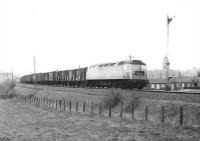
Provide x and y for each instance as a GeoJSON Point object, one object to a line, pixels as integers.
{"type": "Point", "coordinates": [171, 113]}
{"type": "Point", "coordinates": [113, 99]}
{"type": "Point", "coordinates": [12, 84]}
{"type": "Point", "coordinates": [135, 101]}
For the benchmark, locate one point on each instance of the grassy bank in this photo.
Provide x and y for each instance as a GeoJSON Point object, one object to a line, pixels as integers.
{"type": "Point", "coordinates": [114, 99]}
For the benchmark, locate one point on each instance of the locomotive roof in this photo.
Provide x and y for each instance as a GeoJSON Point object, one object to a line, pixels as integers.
{"type": "Point", "coordinates": [134, 62]}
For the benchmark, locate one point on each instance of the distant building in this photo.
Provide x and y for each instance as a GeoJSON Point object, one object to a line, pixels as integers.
{"type": "Point", "coordinates": [174, 83]}
{"type": "Point", "coordinates": [5, 76]}
{"type": "Point", "coordinates": [177, 82]}
{"type": "Point", "coordinates": [168, 79]}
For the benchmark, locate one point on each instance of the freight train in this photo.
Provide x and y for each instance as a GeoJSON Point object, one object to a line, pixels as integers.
{"type": "Point", "coordinates": [127, 74]}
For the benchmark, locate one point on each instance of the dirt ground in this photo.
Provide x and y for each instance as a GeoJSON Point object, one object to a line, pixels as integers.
{"type": "Point", "coordinates": [22, 121]}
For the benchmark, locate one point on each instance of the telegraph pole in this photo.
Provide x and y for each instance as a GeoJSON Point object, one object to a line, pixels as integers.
{"type": "Point", "coordinates": [34, 71]}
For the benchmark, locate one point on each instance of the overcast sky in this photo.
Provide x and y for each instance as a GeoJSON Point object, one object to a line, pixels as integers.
{"type": "Point", "coordinates": [66, 34]}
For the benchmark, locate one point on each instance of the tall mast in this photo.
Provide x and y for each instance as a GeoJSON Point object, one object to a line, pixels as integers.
{"type": "Point", "coordinates": [167, 63]}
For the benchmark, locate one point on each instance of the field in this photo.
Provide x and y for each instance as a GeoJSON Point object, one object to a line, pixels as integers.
{"type": "Point", "coordinates": [25, 121]}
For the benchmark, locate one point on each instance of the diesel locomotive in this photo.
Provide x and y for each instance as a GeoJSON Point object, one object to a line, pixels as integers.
{"type": "Point", "coordinates": [124, 74]}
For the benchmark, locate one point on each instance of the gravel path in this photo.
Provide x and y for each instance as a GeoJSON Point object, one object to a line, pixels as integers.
{"type": "Point", "coordinates": [22, 121]}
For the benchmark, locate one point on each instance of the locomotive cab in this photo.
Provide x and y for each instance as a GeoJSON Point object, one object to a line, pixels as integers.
{"type": "Point", "coordinates": [135, 69]}
{"type": "Point", "coordinates": [136, 72]}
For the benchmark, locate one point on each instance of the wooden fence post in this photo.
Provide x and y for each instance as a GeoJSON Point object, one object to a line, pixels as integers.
{"type": "Point", "coordinates": [60, 104]}
{"type": "Point", "coordinates": [84, 106]}
{"type": "Point", "coordinates": [49, 103]}
{"type": "Point", "coordinates": [181, 115]}
{"type": "Point", "coordinates": [56, 104]}
{"type": "Point", "coordinates": [163, 114]}
{"type": "Point", "coordinates": [121, 111]}
{"type": "Point", "coordinates": [92, 108]}
{"type": "Point", "coordinates": [53, 103]}
{"type": "Point", "coordinates": [34, 99]}
{"type": "Point", "coordinates": [100, 108]}
{"type": "Point", "coordinates": [77, 106]}
{"type": "Point", "coordinates": [64, 105]}
{"type": "Point", "coordinates": [132, 110]}
{"type": "Point", "coordinates": [70, 105]}
{"type": "Point", "coordinates": [110, 107]}
{"type": "Point", "coordinates": [38, 101]}
{"type": "Point", "coordinates": [146, 113]}
{"type": "Point", "coordinates": [42, 102]}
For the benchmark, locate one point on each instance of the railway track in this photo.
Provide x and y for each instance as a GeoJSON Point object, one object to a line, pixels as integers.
{"type": "Point", "coordinates": [192, 97]}
{"type": "Point", "coordinates": [66, 89]}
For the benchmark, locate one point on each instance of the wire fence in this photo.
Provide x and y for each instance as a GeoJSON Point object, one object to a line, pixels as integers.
{"type": "Point", "coordinates": [96, 108]}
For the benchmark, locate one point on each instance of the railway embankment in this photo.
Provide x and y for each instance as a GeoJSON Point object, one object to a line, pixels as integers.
{"type": "Point", "coordinates": [146, 104]}
{"type": "Point", "coordinates": [97, 94]}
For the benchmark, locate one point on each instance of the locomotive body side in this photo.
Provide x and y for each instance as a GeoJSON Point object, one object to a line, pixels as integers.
{"type": "Point", "coordinates": [124, 74]}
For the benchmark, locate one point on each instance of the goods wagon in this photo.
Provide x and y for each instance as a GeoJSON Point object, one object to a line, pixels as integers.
{"type": "Point", "coordinates": [123, 74]}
